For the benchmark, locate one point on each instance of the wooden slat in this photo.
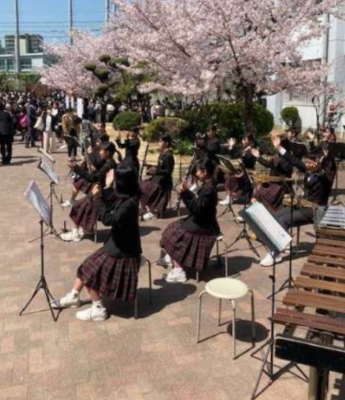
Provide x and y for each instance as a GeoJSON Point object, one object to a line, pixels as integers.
{"type": "Point", "coordinates": [312, 321]}
{"type": "Point", "coordinates": [319, 284]}
{"type": "Point", "coordinates": [323, 272]}
{"type": "Point", "coordinates": [329, 251]}
{"type": "Point", "coordinates": [326, 260]}
{"type": "Point", "coordinates": [339, 233]}
{"type": "Point", "coordinates": [330, 243]}
{"type": "Point", "coordinates": [314, 300]}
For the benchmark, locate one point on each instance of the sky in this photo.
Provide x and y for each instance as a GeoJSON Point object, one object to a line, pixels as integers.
{"type": "Point", "coordinates": [50, 17]}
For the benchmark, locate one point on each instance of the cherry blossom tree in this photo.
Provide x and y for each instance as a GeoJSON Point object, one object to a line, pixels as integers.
{"type": "Point", "coordinates": [199, 47]}
{"type": "Point", "coordinates": [68, 72]}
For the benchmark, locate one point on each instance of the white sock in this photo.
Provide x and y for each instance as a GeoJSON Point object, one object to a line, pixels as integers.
{"type": "Point", "coordinates": [74, 293]}
{"type": "Point", "coordinates": [167, 258]}
{"type": "Point", "coordinates": [97, 303]}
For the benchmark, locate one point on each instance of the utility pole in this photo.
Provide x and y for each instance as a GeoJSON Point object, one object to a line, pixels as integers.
{"type": "Point", "coordinates": [16, 39]}
{"type": "Point", "coordinates": [107, 11]}
{"type": "Point", "coordinates": [70, 18]}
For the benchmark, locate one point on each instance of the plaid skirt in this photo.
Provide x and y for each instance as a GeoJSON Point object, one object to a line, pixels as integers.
{"type": "Point", "coordinates": [270, 194]}
{"type": "Point", "coordinates": [114, 278]}
{"type": "Point", "coordinates": [82, 185]}
{"type": "Point", "coordinates": [153, 196]}
{"type": "Point", "coordinates": [236, 185]}
{"type": "Point", "coordinates": [83, 214]}
{"type": "Point", "coordinates": [188, 249]}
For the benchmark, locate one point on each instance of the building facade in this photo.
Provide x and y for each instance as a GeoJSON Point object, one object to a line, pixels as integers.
{"type": "Point", "coordinates": [31, 53]}
{"type": "Point", "coordinates": [330, 49]}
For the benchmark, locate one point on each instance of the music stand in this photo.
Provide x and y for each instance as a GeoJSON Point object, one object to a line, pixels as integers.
{"type": "Point", "coordinates": [244, 234]}
{"type": "Point", "coordinates": [34, 196]}
{"type": "Point", "coordinates": [275, 239]}
{"type": "Point", "coordinates": [54, 180]}
{"type": "Point", "coordinates": [47, 156]}
{"type": "Point", "coordinates": [230, 168]}
{"type": "Point", "coordinates": [298, 150]}
{"type": "Point", "coordinates": [337, 152]}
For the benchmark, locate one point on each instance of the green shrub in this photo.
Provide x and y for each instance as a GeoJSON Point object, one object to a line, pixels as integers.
{"type": "Point", "coordinates": [183, 147]}
{"type": "Point", "coordinates": [126, 120]}
{"type": "Point", "coordinates": [290, 116]}
{"type": "Point", "coordinates": [230, 119]}
{"type": "Point", "coordinates": [171, 125]}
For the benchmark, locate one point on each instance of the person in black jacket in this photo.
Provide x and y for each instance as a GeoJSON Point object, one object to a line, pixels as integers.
{"type": "Point", "coordinates": [131, 146]}
{"type": "Point", "coordinates": [271, 194]}
{"type": "Point", "coordinates": [83, 212]}
{"type": "Point", "coordinates": [238, 184]}
{"type": "Point", "coordinates": [156, 191]}
{"type": "Point", "coordinates": [112, 271]}
{"type": "Point", "coordinates": [6, 135]}
{"type": "Point", "coordinates": [189, 242]}
{"type": "Point", "coordinates": [318, 182]}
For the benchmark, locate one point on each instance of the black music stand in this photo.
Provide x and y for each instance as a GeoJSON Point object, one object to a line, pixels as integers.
{"type": "Point", "coordinates": [298, 150]}
{"type": "Point", "coordinates": [54, 180]}
{"type": "Point", "coordinates": [244, 234]}
{"type": "Point", "coordinates": [231, 169]}
{"type": "Point", "coordinates": [36, 199]}
{"type": "Point", "coordinates": [337, 152]}
{"type": "Point", "coordinates": [268, 358]}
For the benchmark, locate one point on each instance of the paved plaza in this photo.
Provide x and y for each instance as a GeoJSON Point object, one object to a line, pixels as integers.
{"type": "Point", "coordinates": [153, 358]}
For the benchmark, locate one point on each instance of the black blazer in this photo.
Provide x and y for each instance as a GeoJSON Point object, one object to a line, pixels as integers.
{"type": "Point", "coordinates": [164, 171]}
{"type": "Point", "coordinates": [6, 124]}
{"type": "Point", "coordinates": [131, 155]}
{"type": "Point", "coordinates": [123, 217]}
{"type": "Point", "coordinates": [248, 160]}
{"type": "Point", "coordinates": [317, 186]}
{"type": "Point", "coordinates": [97, 176]}
{"type": "Point", "coordinates": [278, 165]}
{"type": "Point", "coordinates": [202, 209]}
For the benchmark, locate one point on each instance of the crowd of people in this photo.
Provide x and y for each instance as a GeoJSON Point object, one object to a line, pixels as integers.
{"type": "Point", "coordinates": [107, 188]}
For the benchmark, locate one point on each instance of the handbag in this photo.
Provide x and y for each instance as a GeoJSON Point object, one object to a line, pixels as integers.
{"type": "Point", "coordinates": [39, 125]}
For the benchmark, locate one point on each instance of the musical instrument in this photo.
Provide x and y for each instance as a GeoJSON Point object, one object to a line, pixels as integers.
{"type": "Point", "coordinates": [298, 202]}
{"type": "Point", "coordinates": [259, 179]}
{"type": "Point", "coordinates": [333, 217]}
{"type": "Point", "coordinates": [143, 165]}
{"type": "Point", "coordinates": [186, 178]}
{"type": "Point", "coordinates": [310, 338]}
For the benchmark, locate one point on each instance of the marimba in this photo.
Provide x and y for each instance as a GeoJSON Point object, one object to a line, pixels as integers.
{"type": "Point", "coordinates": [315, 307]}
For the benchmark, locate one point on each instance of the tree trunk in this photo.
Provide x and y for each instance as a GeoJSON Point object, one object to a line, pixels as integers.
{"type": "Point", "coordinates": [248, 94]}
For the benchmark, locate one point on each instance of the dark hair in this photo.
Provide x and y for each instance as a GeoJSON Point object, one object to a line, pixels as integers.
{"type": "Point", "coordinates": [136, 130]}
{"type": "Point", "coordinates": [166, 139]}
{"type": "Point", "coordinates": [2, 107]}
{"type": "Point", "coordinates": [206, 165]}
{"type": "Point", "coordinates": [104, 138]}
{"type": "Point", "coordinates": [127, 181]}
{"type": "Point", "coordinates": [108, 146]}
{"type": "Point", "coordinates": [70, 109]}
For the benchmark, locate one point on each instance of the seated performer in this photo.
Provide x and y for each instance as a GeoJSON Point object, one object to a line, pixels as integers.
{"type": "Point", "coordinates": [132, 146]}
{"type": "Point", "coordinates": [318, 183]}
{"type": "Point", "coordinates": [156, 191]}
{"type": "Point", "coordinates": [238, 185]}
{"type": "Point", "coordinates": [189, 242]}
{"type": "Point", "coordinates": [83, 213]}
{"type": "Point", "coordinates": [271, 194]}
{"type": "Point", "coordinates": [92, 162]}
{"type": "Point", "coordinates": [112, 271]}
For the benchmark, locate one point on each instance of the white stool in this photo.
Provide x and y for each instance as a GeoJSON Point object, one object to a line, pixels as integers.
{"type": "Point", "coordinates": [220, 240]}
{"type": "Point", "coordinates": [144, 261]}
{"type": "Point", "coordinates": [227, 289]}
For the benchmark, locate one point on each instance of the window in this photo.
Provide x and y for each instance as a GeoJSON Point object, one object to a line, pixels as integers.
{"type": "Point", "coordinates": [26, 65]}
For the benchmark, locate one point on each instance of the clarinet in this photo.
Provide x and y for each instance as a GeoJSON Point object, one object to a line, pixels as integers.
{"type": "Point", "coordinates": [187, 176]}
{"type": "Point", "coordinates": [144, 161]}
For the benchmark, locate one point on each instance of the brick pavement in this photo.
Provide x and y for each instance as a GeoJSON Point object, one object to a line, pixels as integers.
{"type": "Point", "coordinates": [154, 357]}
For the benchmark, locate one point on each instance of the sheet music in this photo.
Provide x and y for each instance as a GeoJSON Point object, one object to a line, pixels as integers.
{"type": "Point", "coordinates": [269, 226]}
{"type": "Point", "coordinates": [35, 197]}
{"type": "Point", "coordinates": [52, 175]}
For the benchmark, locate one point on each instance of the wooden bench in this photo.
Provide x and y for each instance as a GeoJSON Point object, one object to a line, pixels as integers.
{"type": "Point", "coordinates": [297, 298]}
{"type": "Point", "coordinates": [302, 282]}
{"type": "Point", "coordinates": [329, 233]}
{"type": "Point", "coordinates": [323, 272]}
{"type": "Point", "coordinates": [311, 321]}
